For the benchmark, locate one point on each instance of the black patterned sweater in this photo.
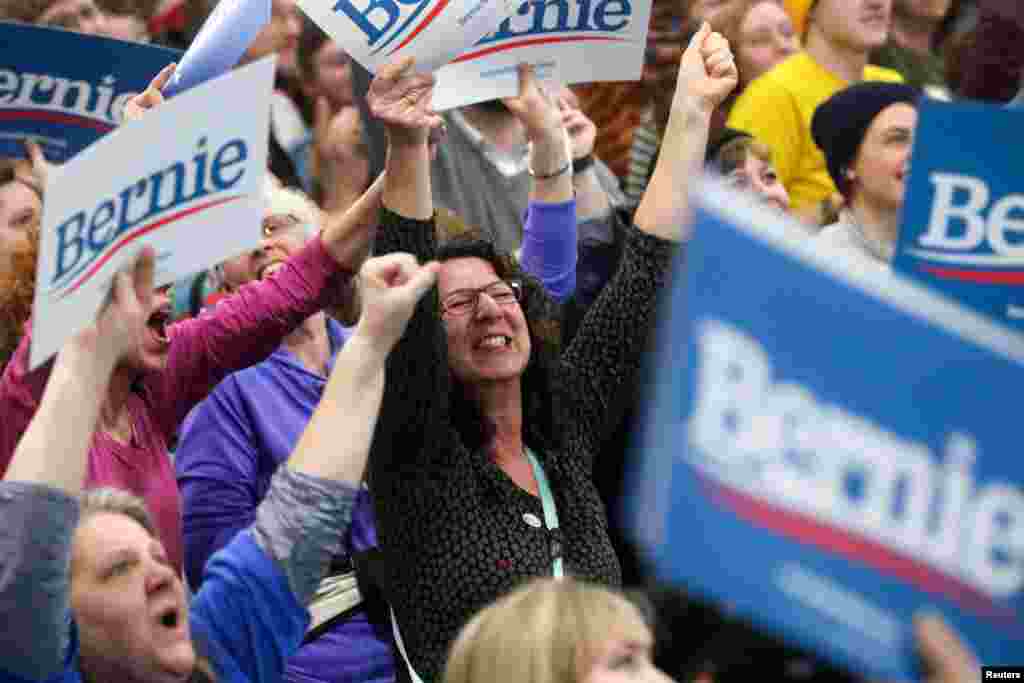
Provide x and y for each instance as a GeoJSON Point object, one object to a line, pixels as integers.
{"type": "Point", "coordinates": [454, 530]}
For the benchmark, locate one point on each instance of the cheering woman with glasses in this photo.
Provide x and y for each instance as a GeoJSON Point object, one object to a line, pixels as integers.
{"type": "Point", "coordinates": [482, 461]}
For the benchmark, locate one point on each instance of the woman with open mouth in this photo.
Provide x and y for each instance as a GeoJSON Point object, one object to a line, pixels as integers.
{"type": "Point", "coordinates": [482, 465]}
{"type": "Point", "coordinates": [173, 367]}
{"type": "Point", "coordinates": [87, 590]}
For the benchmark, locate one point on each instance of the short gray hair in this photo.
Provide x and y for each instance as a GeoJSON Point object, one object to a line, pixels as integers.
{"type": "Point", "coordinates": [118, 502]}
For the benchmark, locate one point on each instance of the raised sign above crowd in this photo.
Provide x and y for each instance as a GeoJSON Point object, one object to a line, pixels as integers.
{"type": "Point", "coordinates": [831, 485]}
{"type": "Point", "coordinates": [174, 180]}
{"type": "Point", "coordinates": [65, 90]}
{"type": "Point", "coordinates": [474, 46]}
{"type": "Point", "coordinates": [963, 219]}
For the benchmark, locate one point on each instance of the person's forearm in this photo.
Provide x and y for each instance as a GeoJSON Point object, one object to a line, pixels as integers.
{"type": "Point", "coordinates": [407, 190]}
{"type": "Point", "coordinates": [551, 166]}
{"type": "Point", "coordinates": [301, 524]}
{"type": "Point", "coordinates": [338, 190]}
{"type": "Point", "coordinates": [53, 449]}
{"type": "Point", "coordinates": [309, 506]}
{"type": "Point", "coordinates": [665, 207]}
{"type": "Point", "coordinates": [349, 234]}
{"type": "Point", "coordinates": [336, 442]}
{"type": "Point", "coordinates": [591, 199]}
{"type": "Point", "coordinates": [21, 391]}
{"type": "Point", "coordinates": [549, 247]}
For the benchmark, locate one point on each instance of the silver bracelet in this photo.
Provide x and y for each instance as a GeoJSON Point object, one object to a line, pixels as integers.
{"type": "Point", "coordinates": [549, 176]}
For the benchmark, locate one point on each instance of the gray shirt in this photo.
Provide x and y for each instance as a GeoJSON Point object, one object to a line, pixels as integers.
{"type": "Point", "coordinates": [488, 189]}
{"type": "Point", "coordinates": [846, 236]}
{"type": "Point", "coordinates": [467, 181]}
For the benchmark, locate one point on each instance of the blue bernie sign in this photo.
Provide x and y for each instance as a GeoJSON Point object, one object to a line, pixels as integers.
{"type": "Point", "coordinates": [65, 90]}
{"type": "Point", "coordinates": [829, 450]}
{"type": "Point", "coordinates": [962, 230]}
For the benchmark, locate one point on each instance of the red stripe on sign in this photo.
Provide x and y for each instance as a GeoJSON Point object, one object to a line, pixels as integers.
{"type": "Point", "coordinates": [423, 24]}
{"type": "Point", "coordinates": [134, 235]}
{"type": "Point", "coordinates": [804, 529]}
{"type": "Point", "coordinates": [992, 277]}
{"type": "Point", "coordinates": [533, 41]}
{"type": "Point", "coordinates": [56, 117]}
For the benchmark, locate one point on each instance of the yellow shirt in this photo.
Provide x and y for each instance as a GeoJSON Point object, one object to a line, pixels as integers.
{"type": "Point", "coordinates": [777, 108]}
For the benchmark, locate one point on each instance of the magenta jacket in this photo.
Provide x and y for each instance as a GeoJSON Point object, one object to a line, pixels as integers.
{"type": "Point", "coordinates": [240, 331]}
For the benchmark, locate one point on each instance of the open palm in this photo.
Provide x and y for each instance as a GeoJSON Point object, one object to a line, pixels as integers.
{"type": "Point", "coordinates": [534, 106]}
{"type": "Point", "coordinates": [401, 97]}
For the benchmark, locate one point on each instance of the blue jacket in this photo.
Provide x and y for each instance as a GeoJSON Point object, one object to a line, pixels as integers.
{"type": "Point", "coordinates": [244, 618]}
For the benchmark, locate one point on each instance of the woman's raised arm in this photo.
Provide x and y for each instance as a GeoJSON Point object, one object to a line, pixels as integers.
{"type": "Point", "coordinates": [39, 490]}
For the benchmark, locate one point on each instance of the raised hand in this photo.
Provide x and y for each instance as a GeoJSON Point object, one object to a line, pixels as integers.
{"type": "Point", "coordinates": [707, 71]}
{"type": "Point", "coordinates": [151, 97]}
{"type": "Point", "coordinates": [582, 131]}
{"type": "Point", "coordinates": [120, 326]}
{"type": "Point", "coordinates": [337, 136]}
{"type": "Point", "coordinates": [33, 170]}
{"type": "Point", "coordinates": [946, 657]}
{"type": "Point", "coordinates": [391, 285]}
{"type": "Point", "coordinates": [401, 97]}
{"type": "Point", "coordinates": [535, 107]}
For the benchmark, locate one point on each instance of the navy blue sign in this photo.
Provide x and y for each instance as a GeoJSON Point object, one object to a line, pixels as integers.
{"type": "Point", "coordinates": [65, 89]}
{"type": "Point", "coordinates": [963, 219]}
{"type": "Point", "coordinates": [830, 450]}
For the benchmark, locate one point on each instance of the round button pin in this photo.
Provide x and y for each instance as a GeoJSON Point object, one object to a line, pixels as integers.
{"type": "Point", "coordinates": [532, 520]}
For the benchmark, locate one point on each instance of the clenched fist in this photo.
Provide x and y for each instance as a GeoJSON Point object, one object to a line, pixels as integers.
{"type": "Point", "coordinates": [391, 286]}
{"type": "Point", "coordinates": [707, 71]}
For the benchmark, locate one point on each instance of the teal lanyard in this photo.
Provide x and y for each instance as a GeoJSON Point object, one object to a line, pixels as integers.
{"type": "Point", "coordinates": [547, 501]}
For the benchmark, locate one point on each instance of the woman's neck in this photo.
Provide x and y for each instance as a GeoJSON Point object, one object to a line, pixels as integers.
{"type": "Point", "coordinates": [115, 420]}
{"type": "Point", "coordinates": [880, 224]}
{"type": "Point", "coordinates": [310, 343]}
{"type": "Point", "coordinates": [844, 62]}
{"type": "Point", "coordinates": [501, 404]}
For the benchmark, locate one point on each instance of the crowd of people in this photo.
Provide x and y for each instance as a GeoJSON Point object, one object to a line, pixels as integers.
{"type": "Point", "coordinates": [385, 442]}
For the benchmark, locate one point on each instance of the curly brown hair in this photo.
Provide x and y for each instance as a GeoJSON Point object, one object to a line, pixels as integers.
{"type": "Point", "coordinates": [17, 289]}
{"type": "Point", "coordinates": [540, 409]}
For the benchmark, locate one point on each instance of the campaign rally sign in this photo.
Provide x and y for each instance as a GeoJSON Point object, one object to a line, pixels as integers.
{"type": "Point", "coordinates": [831, 449]}
{"type": "Point", "coordinates": [223, 39]}
{"type": "Point", "coordinates": [475, 45]}
{"type": "Point", "coordinates": [64, 89]}
{"type": "Point", "coordinates": [580, 41]}
{"type": "Point", "coordinates": [962, 229]}
{"type": "Point", "coordinates": [375, 32]}
{"type": "Point", "coordinates": [181, 179]}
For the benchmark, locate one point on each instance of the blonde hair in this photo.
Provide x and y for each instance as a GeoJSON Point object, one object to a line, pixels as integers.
{"type": "Point", "coordinates": [548, 631]}
{"type": "Point", "coordinates": [734, 153]}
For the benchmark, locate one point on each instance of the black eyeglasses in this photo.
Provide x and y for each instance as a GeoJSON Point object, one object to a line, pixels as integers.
{"type": "Point", "coordinates": [465, 301]}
